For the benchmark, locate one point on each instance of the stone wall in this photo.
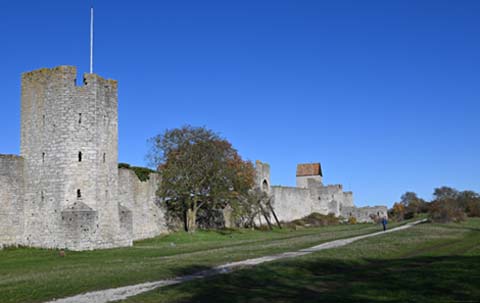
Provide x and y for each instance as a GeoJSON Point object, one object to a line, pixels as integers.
{"type": "Point", "coordinates": [291, 203]}
{"type": "Point", "coordinates": [140, 198]}
{"type": "Point", "coordinates": [80, 227]}
{"type": "Point", "coordinates": [363, 214]}
{"type": "Point", "coordinates": [11, 199]}
{"type": "Point", "coordinates": [310, 195]}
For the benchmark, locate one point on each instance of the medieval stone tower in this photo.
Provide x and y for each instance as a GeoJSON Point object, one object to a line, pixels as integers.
{"type": "Point", "coordinates": [69, 138]}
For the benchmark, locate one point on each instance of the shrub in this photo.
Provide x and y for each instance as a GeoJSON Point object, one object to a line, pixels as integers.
{"type": "Point", "coordinates": [446, 211]}
{"type": "Point", "coordinates": [143, 173]}
{"type": "Point", "coordinates": [473, 208]}
{"type": "Point", "coordinates": [409, 215]}
{"type": "Point", "coordinates": [352, 220]}
{"type": "Point", "coordinates": [398, 211]}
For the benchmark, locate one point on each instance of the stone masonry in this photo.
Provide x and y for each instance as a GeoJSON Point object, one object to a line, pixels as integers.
{"type": "Point", "coordinates": [65, 190]}
{"type": "Point", "coordinates": [310, 195]}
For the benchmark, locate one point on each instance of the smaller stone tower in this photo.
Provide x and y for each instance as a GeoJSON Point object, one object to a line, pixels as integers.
{"type": "Point", "coordinates": [262, 174]}
{"type": "Point", "coordinates": [309, 172]}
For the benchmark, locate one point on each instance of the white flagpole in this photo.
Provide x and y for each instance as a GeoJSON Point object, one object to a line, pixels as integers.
{"type": "Point", "coordinates": [91, 40]}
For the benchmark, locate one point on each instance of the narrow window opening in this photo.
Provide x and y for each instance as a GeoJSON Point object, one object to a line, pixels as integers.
{"type": "Point", "coordinates": [104, 157]}
{"type": "Point", "coordinates": [79, 193]}
{"type": "Point", "coordinates": [79, 156]}
{"type": "Point", "coordinates": [43, 158]}
{"type": "Point", "coordinates": [80, 118]}
{"type": "Point", "coordinates": [42, 196]}
{"type": "Point", "coordinates": [43, 120]}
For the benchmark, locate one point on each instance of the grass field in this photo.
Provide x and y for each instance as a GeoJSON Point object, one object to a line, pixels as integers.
{"type": "Point", "coordinates": [426, 263]}
{"type": "Point", "coordinates": [36, 275]}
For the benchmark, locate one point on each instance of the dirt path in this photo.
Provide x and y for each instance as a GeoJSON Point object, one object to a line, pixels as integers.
{"type": "Point", "coordinates": [120, 293]}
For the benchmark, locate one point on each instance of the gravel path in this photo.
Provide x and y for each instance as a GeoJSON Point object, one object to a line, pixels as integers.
{"type": "Point", "coordinates": [120, 293]}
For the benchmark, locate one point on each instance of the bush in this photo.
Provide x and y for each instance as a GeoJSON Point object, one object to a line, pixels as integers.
{"type": "Point", "coordinates": [143, 173]}
{"type": "Point", "coordinates": [409, 215]}
{"type": "Point", "coordinates": [473, 209]}
{"type": "Point", "coordinates": [352, 220]}
{"type": "Point", "coordinates": [397, 212]}
{"type": "Point", "coordinates": [446, 211]}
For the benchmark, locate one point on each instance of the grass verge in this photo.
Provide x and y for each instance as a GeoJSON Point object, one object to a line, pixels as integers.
{"type": "Point", "coordinates": [426, 263]}
{"type": "Point", "coordinates": [36, 275]}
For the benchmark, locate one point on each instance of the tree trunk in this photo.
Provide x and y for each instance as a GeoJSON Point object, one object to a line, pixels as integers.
{"type": "Point", "coordinates": [265, 215]}
{"type": "Point", "coordinates": [191, 220]}
{"type": "Point", "coordinates": [274, 215]}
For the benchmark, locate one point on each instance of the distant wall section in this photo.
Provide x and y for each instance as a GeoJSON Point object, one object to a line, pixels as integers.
{"type": "Point", "coordinates": [364, 214]}
{"type": "Point", "coordinates": [11, 199]}
{"type": "Point", "coordinates": [291, 203]}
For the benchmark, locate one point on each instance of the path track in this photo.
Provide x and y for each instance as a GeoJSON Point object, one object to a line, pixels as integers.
{"type": "Point", "coordinates": [120, 293]}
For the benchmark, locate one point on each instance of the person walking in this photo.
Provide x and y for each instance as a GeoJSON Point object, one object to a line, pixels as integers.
{"type": "Point", "coordinates": [384, 223]}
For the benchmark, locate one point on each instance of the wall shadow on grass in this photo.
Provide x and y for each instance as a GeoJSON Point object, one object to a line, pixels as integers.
{"type": "Point", "coordinates": [418, 279]}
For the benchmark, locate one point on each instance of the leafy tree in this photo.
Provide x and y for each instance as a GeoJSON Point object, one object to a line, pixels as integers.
{"type": "Point", "coordinates": [446, 210]}
{"type": "Point", "coordinates": [412, 203]}
{"type": "Point", "coordinates": [201, 173]}
{"type": "Point", "coordinates": [444, 193]}
{"type": "Point", "coordinates": [398, 211]}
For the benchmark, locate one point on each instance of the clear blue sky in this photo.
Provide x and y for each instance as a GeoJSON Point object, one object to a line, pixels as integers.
{"type": "Point", "coordinates": [385, 94]}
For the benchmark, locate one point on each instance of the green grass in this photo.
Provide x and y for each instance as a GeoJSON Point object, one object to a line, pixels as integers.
{"type": "Point", "coordinates": [426, 263]}
{"type": "Point", "coordinates": [36, 275]}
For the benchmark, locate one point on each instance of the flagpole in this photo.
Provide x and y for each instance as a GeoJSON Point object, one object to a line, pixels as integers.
{"type": "Point", "coordinates": [91, 40]}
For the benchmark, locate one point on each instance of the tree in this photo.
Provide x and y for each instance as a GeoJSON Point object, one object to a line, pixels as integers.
{"type": "Point", "coordinates": [413, 204]}
{"type": "Point", "coordinates": [248, 208]}
{"type": "Point", "coordinates": [200, 172]}
{"type": "Point", "coordinates": [398, 211]}
{"type": "Point", "coordinates": [444, 193]}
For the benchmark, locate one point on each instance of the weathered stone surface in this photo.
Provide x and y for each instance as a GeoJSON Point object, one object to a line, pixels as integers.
{"type": "Point", "coordinates": [11, 199]}
{"type": "Point", "coordinates": [364, 214]}
{"type": "Point", "coordinates": [140, 198]}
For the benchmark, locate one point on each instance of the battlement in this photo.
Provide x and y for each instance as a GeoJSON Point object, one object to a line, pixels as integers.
{"type": "Point", "coordinates": [65, 75]}
{"type": "Point", "coordinates": [10, 157]}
